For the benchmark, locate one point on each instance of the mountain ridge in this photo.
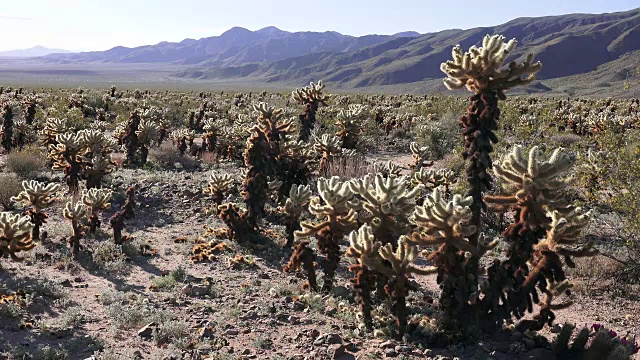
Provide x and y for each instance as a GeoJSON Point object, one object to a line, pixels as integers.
{"type": "Point", "coordinates": [567, 45]}
{"type": "Point", "coordinates": [35, 51]}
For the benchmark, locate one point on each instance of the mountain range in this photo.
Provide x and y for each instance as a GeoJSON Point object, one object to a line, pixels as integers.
{"type": "Point", "coordinates": [31, 52]}
{"type": "Point", "coordinates": [580, 48]}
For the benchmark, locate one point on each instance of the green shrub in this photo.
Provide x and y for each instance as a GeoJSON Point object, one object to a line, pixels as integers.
{"type": "Point", "coordinates": [27, 163]}
{"type": "Point", "coordinates": [10, 186]}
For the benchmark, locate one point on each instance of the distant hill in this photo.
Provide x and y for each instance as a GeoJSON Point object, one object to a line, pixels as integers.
{"type": "Point", "coordinates": [35, 51]}
{"type": "Point", "coordinates": [235, 47]}
{"type": "Point", "coordinates": [577, 50]}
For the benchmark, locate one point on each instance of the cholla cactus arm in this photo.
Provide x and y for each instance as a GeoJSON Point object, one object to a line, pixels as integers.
{"type": "Point", "coordinates": [312, 97]}
{"type": "Point", "coordinates": [37, 196]}
{"type": "Point", "coordinates": [364, 249]}
{"type": "Point", "coordinates": [15, 235]}
{"type": "Point", "coordinates": [402, 266]}
{"type": "Point", "coordinates": [328, 146]}
{"type": "Point", "coordinates": [403, 258]}
{"type": "Point", "coordinates": [387, 168]}
{"type": "Point", "coordinates": [388, 200]}
{"type": "Point", "coordinates": [299, 197]}
{"type": "Point", "coordinates": [67, 155]}
{"type": "Point", "coordinates": [447, 222]}
{"type": "Point", "coordinates": [76, 213]}
{"type": "Point", "coordinates": [481, 69]}
{"type": "Point", "coordinates": [532, 180]}
{"type": "Point", "coordinates": [219, 185]}
{"type": "Point", "coordinates": [297, 202]}
{"type": "Point", "coordinates": [96, 200]}
{"type": "Point", "coordinates": [334, 210]}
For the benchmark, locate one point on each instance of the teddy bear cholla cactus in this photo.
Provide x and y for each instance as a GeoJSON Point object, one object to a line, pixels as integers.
{"type": "Point", "coordinates": [96, 160]}
{"type": "Point", "coordinates": [37, 196]}
{"type": "Point", "coordinates": [77, 214]}
{"type": "Point", "coordinates": [432, 178]}
{"type": "Point", "coordinates": [387, 168]}
{"type": "Point", "coordinates": [148, 132]}
{"type": "Point", "coordinates": [67, 156]}
{"type": "Point", "coordinates": [420, 156]}
{"type": "Point", "coordinates": [52, 127]}
{"type": "Point", "coordinates": [535, 189]}
{"type": "Point", "coordinates": [15, 235]}
{"type": "Point", "coordinates": [219, 185]}
{"type": "Point", "coordinates": [334, 210]}
{"type": "Point", "coordinates": [349, 128]}
{"type": "Point", "coordinates": [96, 200]}
{"type": "Point", "coordinates": [294, 206]}
{"type": "Point", "coordinates": [396, 265]}
{"type": "Point", "coordinates": [388, 201]}
{"type": "Point", "coordinates": [181, 137]}
{"type": "Point", "coordinates": [481, 71]}
{"type": "Point", "coordinates": [312, 97]}
{"type": "Point", "coordinates": [447, 226]}
{"type": "Point", "coordinates": [328, 147]}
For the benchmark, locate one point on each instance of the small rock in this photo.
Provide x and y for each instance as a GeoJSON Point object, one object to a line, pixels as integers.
{"type": "Point", "coordinates": [390, 352]}
{"type": "Point", "coordinates": [428, 352]}
{"type": "Point", "coordinates": [147, 331]}
{"type": "Point", "coordinates": [246, 352]}
{"type": "Point", "coordinates": [231, 332]}
{"type": "Point", "coordinates": [404, 349]}
{"type": "Point", "coordinates": [389, 344]}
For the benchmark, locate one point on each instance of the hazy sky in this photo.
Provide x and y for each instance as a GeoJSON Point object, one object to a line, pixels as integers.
{"type": "Point", "coordinates": [102, 24]}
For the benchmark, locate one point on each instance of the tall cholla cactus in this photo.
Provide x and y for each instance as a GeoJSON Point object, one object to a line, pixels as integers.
{"type": "Point", "coordinates": [420, 156]}
{"type": "Point", "coordinates": [77, 214]}
{"type": "Point", "coordinates": [181, 137]}
{"type": "Point", "coordinates": [396, 265]}
{"type": "Point", "coordinates": [447, 226]}
{"type": "Point", "coordinates": [37, 196]}
{"type": "Point", "coordinates": [7, 126]}
{"type": "Point", "coordinates": [96, 200]}
{"type": "Point", "coordinates": [15, 235]}
{"type": "Point", "coordinates": [148, 132]}
{"type": "Point", "coordinates": [402, 266]}
{"type": "Point", "coordinates": [67, 156]}
{"type": "Point", "coordinates": [534, 188]}
{"type": "Point", "coordinates": [328, 147]}
{"type": "Point", "coordinates": [388, 201]}
{"type": "Point", "coordinates": [52, 127]}
{"type": "Point", "coordinates": [96, 160]}
{"type": "Point", "coordinates": [387, 169]}
{"type": "Point", "coordinates": [29, 109]}
{"type": "Point", "coordinates": [219, 185]}
{"type": "Point", "coordinates": [334, 210]}
{"type": "Point", "coordinates": [364, 249]}
{"type": "Point", "coordinates": [130, 138]}
{"type": "Point", "coordinates": [156, 115]}
{"type": "Point", "coordinates": [312, 97]}
{"type": "Point", "coordinates": [212, 131]}
{"type": "Point", "coordinates": [22, 132]}
{"type": "Point", "coordinates": [481, 71]}
{"type": "Point", "coordinates": [258, 157]}
{"type": "Point", "coordinates": [294, 206]}
{"type": "Point", "coordinates": [349, 128]}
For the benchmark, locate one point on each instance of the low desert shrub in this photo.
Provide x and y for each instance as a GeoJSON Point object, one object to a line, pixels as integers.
{"type": "Point", "coordinates": [27, 163]}
{"type": "Point", "coordinates": [10, 186]}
